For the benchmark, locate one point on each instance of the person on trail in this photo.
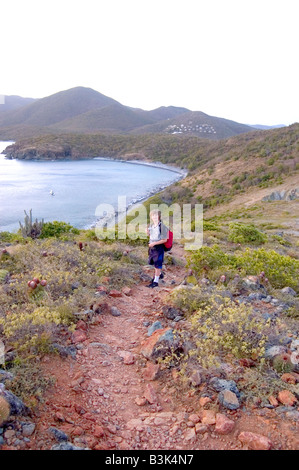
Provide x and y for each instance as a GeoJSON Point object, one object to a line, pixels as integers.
{"type": "Point", "coordinates": [158, 234]}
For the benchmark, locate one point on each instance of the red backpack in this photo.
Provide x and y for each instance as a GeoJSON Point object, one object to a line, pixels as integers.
{"type": "Point", "coordinates": [168, 244]}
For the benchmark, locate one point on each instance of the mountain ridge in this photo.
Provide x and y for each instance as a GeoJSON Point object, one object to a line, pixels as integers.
{"type": "Point", "coordinates": [85, 110]}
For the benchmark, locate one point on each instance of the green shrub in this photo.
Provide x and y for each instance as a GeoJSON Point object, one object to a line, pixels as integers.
{"type": "Point", "coordinates": [242, 233]}
{"type": "Point", "coordinates": [189, 299]}
{"type": "Point", "coordinates": [8, 237]}
{"type": "Point", "coordinates": [207, 258]}
{"type": "Point", "coordinates": [224, 330]}
{"type": "Point", "coordinates": [3, 275]}
{"type": "Point", "coordinates": [280, 270]}
{"type": "Point", "coordinates": [210, 226]}
{"type": "Point", "coordinates": [57, 229]}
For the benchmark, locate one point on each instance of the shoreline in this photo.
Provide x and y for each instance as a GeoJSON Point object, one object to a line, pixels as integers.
{"type": "Point", "coordinates": [135, 202]}
{"type": "Point", "coordinates": [163, 166]}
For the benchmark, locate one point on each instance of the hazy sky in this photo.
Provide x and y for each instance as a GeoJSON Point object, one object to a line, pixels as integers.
{"type": "Point", "coordinates": [236, 59]}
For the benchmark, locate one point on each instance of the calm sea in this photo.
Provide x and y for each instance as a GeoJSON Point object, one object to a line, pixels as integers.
{"type": "Point", "coordinates": [78, 187]}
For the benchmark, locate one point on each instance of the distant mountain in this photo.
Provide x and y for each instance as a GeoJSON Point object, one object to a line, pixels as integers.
{"type": "Point", "coordinates": [265, 128]}
{"type": "Point", "coordinates": [114, 117]}
{"type": "Point", "coordinates": [14, 102]}
{"type": "Point", "coordinates": [166, 112]}
{"type": "Point", "coordinates": [196, 123]}
{"type": "Point", "coordinates": [57, 107]}
{"type": "Point", "coordinates": [84, 110]}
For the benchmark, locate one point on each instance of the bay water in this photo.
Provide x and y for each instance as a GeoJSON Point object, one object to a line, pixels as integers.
{"type": "Point", "coordinates": [71, 191]}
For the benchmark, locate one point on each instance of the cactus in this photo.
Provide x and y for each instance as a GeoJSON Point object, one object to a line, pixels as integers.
{"type": "Point", "coordinates": [31, 229]}
{"type": "Point", "coordinates": [4, 410]}
{"type": "Point", "coordinates": [282, 363]}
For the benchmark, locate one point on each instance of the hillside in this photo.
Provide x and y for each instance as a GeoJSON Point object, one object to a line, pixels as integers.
{"type": "Point", "coordinates": [112, 118]}
{"type": "Point", "coordinates": [209, 359]}
{"type": "Point", "coordinates": [270, 151]}
{"type": "Point", "coordinates": [196, 123]}
{"type": "Point", "coordinates": [87, 111]}
{"type": "Point", "coordinates": [248, 177]}
{"type": "Point", "coordinates": [14, 102]}
{"type": "Point", "coordinates": [56, 108]}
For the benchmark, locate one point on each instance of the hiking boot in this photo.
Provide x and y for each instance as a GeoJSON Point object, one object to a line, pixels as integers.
{"type": "Point", "coordinates": [153, 284]}
{"type": "Point", "coordinates": [160, 277]}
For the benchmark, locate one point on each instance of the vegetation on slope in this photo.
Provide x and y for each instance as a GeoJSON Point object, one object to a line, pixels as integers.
{"type": "Point", "coordinates": [32, 319]}
{"type": "Point", "coordinates": [85, 110]}
{"type": "Point", "coordinates": [37, 318]}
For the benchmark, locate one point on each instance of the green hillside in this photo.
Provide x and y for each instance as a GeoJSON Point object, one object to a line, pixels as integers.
{"type": "Point", "coordinates": [196, 123]}
{"type": "Point", "coordinates": [114, 117]}
{"type": "Point", "coordinates": [87, 111]}
{"type": "Point", "coordinates": [14, 102]}
{"type": "Point", "coordinates": [56, 108]}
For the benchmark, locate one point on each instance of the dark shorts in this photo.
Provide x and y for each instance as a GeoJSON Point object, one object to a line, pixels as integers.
{"type": "Point", "coordinates": [156, 256]}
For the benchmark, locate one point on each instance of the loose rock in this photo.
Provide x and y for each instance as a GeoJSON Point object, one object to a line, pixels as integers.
{"type": "Point", "coordinates": [255, 441]}
{"type": "Point", "coordinates": [229, 400]}
{"type": "Point", "coordinates": [224, 425]}
{"type": "Point", "coordinates": [287, 398]}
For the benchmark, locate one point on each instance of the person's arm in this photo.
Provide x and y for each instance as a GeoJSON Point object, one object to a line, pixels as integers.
{"type": "Point", "coordinates": [159, 242]}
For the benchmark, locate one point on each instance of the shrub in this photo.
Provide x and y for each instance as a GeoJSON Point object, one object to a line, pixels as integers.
{"type": "Point", "coordinates": [29, 382]}
{"type": "Point", "coordinates": [8, 237]}
{"type": "Point", "coordinates": [190, 299]}
{"type": "Point", "coordinates": [207, 258]}
{"type": "Point", "coordinates": [3, 275]}
{"type": "Point", "coordinates": [57, 229]}
{"type": "Point", "coordinates": [242, 233]}
{"type": "Point", "coordinates": [24, 329]}
{"type": "Point", "coordinates": [224, 330]}
{"type": "Point", "coordinates": [280, 270]}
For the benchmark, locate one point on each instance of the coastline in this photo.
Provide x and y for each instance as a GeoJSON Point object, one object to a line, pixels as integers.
{"type": "Point", "coordinates": [163, 166]}
{"type": "Point", "coordinates": [137, 202]}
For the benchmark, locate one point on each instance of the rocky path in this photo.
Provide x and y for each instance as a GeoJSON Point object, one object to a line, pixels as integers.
{"type": "Point", "coordinates": [111, 396]}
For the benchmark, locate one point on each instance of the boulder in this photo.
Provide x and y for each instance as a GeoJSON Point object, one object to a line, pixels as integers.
{"type": "Point", "coordinates": [229, 400]}
{"type": "Point", "coordinates": [155, 326]}
{"type": "Point", "coordinates": [224, 425]}
{"type": "Point", "coordinates": [255, 441]}
{"type": "Point", "coordinates": [220, 385]}
{"type": "Point", "coordinates": [289, 291]}
{"type": "Point", "coordinates": [159, 344]}
{"type": "Point", "coordinates": [171, 313]}
{"type": "Point", "coordinates": [287, 398]}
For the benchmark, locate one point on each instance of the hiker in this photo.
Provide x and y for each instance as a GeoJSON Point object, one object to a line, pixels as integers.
{"type": "Point", "coordinates": [158, 234]}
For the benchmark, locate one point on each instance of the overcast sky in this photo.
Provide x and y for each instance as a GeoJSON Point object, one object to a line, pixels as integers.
{"type": "Point", "coordinates": [234, 59]}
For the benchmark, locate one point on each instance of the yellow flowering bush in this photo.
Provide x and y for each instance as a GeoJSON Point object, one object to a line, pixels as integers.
{"type": "Point", "coordinates": [227, 329]}
{"type": "Point", "coordinates": [23, 329]}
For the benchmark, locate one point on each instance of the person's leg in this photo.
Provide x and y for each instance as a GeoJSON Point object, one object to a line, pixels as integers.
{"type": "Point", "coordinates": [158, 263]}
{"type": "Point", "coordinates": [157, 273]}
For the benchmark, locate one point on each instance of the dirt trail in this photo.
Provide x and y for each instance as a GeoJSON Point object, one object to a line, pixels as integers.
{"type": "Point", "coordinates": [99, 401]}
